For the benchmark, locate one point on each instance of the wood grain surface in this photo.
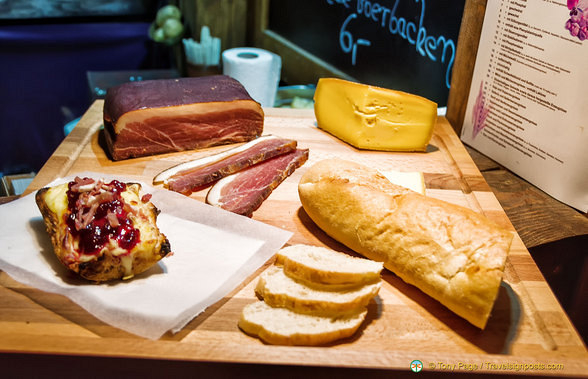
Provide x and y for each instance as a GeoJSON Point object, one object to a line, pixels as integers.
{"type": "Point", "coordinates": [465, 57]}
{"type": "Point", "coordinates": [528, 332]}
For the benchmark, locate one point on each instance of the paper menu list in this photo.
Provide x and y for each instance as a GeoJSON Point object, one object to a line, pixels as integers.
{"type": "Point", "coordinates": [528, 102]}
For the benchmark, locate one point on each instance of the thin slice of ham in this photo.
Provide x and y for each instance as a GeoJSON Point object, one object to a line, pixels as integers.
{"type": "Point", "coordinates": [196, 174]}
{"type": "Point", "coordinates": [244, 192]}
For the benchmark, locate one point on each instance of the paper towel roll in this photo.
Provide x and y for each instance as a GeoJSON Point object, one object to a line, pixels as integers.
{"type": "Point", "coordinates": [257, 69]}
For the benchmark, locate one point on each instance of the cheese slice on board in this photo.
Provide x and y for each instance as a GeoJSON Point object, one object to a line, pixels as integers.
{"type": "Point", "coordinates": [413, 180]}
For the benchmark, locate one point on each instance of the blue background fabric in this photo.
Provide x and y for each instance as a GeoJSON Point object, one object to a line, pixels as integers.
{"type": "Point", "coordinates": [43, 83]}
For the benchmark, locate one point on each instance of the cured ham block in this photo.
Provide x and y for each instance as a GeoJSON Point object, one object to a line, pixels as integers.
{"type": "Point", "coordinates": [161, 116]}
{"type": "Point", "coordinates": [196, 174]}
{"type": "Point", "coordinates": [245, 191]}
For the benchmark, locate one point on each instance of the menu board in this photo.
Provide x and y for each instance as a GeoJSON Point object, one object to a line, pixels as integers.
{"type": "Point", "coordinates": [405, 45]}
{"type": "Point", "coordinates": [528, 105]}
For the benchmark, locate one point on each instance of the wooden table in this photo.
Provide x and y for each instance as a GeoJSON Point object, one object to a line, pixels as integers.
{"type": "Point", "coordinates": [528, 326]}
{"type": "Point", "coordinates": [555, 234]}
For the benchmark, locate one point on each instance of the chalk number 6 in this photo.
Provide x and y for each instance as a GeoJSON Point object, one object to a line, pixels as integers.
{"type": "Point", "coordinates": [348, 45]}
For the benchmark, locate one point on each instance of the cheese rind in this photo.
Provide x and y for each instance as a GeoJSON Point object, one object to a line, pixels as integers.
{"type": "Point", "coordinates": [374, 118]}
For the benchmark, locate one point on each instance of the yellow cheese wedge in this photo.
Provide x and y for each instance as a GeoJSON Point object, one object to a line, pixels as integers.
{"type": "Point", "coordinates": [374, 118]}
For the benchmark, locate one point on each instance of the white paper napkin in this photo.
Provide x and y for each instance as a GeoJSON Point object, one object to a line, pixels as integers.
{"type": "Point", "coordinates": [213, 252]}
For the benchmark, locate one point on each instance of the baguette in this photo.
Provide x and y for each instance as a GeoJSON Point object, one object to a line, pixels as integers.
{"type": "Point", "coordinates": [451, 253]}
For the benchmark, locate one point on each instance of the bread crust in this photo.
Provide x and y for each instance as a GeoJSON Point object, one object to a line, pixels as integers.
{"type": "Point", "coordinates": [451, 253]}
{"type": "Point", "coordinates": [106, 265]}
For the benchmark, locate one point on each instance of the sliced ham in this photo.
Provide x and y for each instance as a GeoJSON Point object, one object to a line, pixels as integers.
{"type": "Point", "coordinates": [245, 191]}
{"type": "Point", "coordinates": [196, 174]}
{"type": "Point", "coordinates": [161, 116]}
{"type": "Point", "coordinates": [82, 182]}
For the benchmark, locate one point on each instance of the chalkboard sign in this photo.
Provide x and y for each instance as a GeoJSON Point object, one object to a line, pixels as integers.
{"type": "Point", "coordinates": [408, 45]}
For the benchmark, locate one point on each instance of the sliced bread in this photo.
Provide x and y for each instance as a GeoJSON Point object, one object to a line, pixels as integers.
{"type": "Point", "coordinates": [282, 326]}
{"type": "Point", "coordinates": [316, 264]}
{"type": "Point", "coordinates": [311, 296]}
{"type": "Point", "coordinates": [280, 290]}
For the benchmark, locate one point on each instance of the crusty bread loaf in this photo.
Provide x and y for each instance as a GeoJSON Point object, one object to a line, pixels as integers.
{"type": "Point", "coordinates": [282, 326]}
{"type": "Point", "coordinates": [317, 264]}
{"type": "Point", "coordinates": [280, 290]}
{"type": "Point", "coordinates": [451, 253]}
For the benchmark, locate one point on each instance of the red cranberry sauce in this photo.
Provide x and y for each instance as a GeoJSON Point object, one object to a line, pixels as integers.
{"type": "Point", "coordinates": [99, 214]}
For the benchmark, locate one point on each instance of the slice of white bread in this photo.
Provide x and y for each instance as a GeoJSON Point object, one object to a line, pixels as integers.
{"type": "Point", "coordinates": [316, 264]}
{"type": "Point", "coordinates": [282, 326]}
{"type": "Point", "coordinates": [280, 290]}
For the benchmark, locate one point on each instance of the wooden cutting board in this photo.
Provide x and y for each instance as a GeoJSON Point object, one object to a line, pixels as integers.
{"type": "Point", "coordinates": [527, 333]}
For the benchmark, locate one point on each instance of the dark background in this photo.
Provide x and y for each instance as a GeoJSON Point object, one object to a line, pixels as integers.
{"type": "Point", "coordinates": [390, 61]}
{"type": "Point", "coordinates": [46, 49]}
{"type": "Point", "coordinates": [48, 46]}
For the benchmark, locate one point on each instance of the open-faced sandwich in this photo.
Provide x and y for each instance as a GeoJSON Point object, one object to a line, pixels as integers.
{"type": "Point", "coordinates": [102, 231]}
